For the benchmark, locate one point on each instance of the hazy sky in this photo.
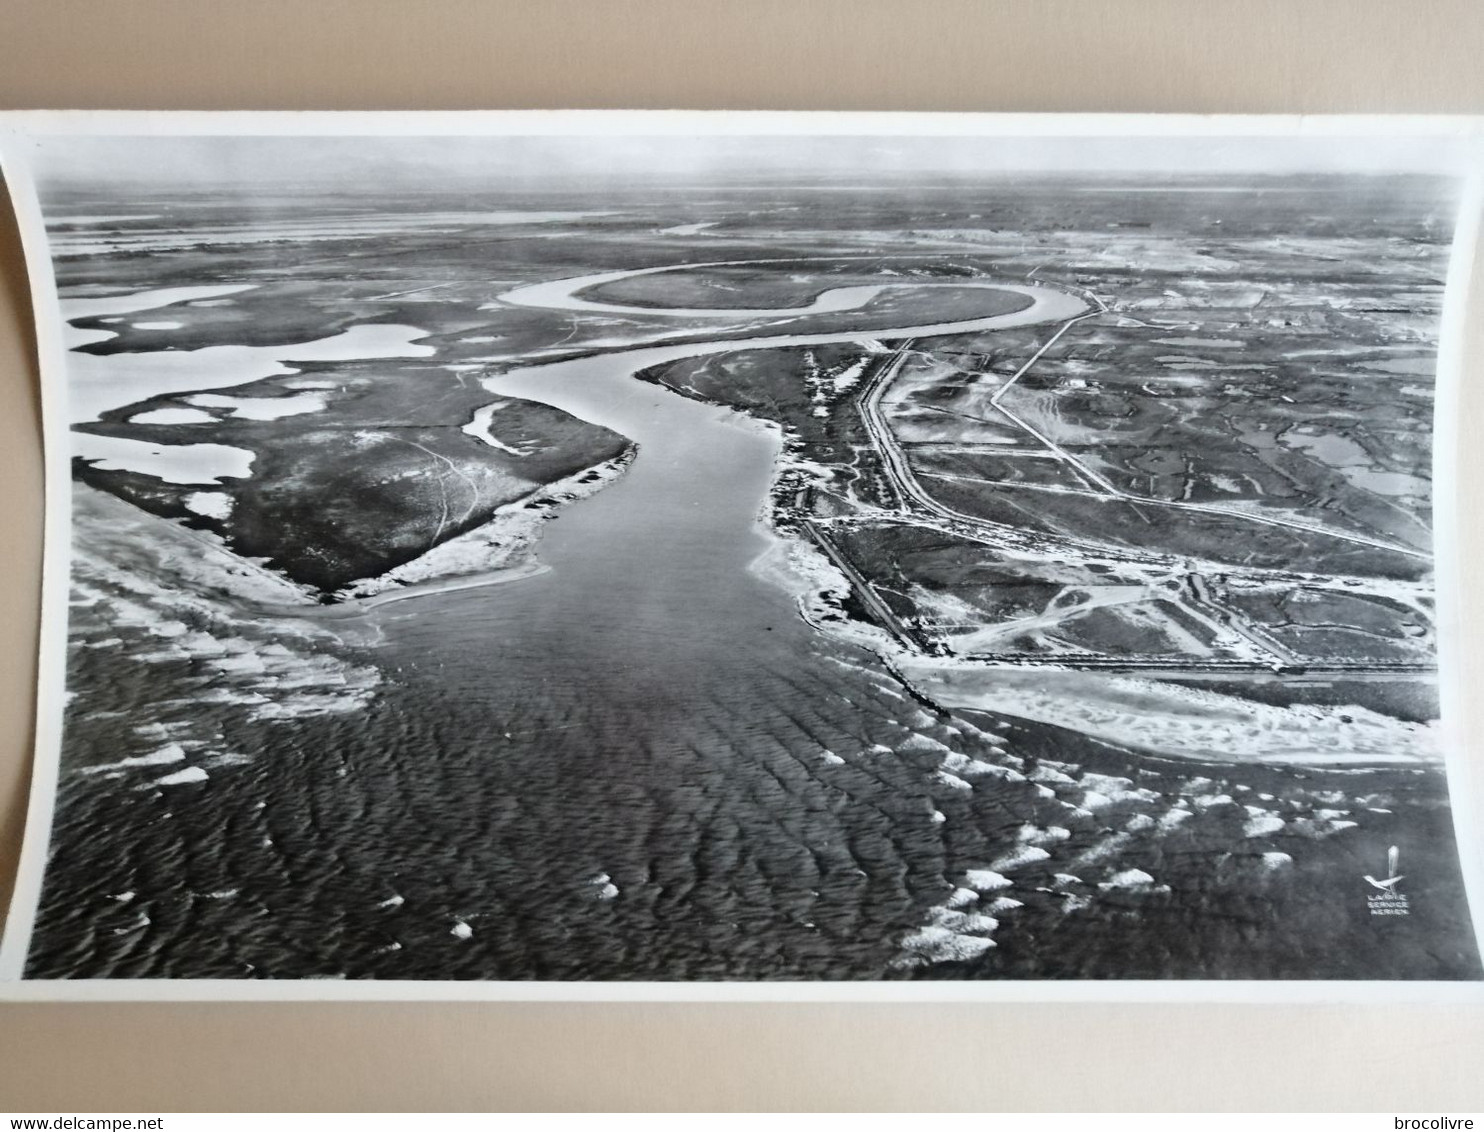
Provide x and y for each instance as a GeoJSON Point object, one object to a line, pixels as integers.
{"type": "Point", "coordinates": [81, 161]}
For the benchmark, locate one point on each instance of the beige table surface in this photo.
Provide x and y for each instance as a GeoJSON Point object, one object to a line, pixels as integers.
{"type": "Point", "coordinates": [1311, 56]}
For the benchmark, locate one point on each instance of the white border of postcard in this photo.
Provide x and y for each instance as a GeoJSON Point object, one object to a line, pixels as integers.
{"type": "Point", "coordinates": [1424, 144]}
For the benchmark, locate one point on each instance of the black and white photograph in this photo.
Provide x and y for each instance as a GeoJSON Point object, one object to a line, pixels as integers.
{"type": "Point", "coordinates": [608, 550]}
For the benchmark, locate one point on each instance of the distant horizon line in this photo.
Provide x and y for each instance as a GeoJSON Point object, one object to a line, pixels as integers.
{"type": "Point", "coordinates": [1119, 180]}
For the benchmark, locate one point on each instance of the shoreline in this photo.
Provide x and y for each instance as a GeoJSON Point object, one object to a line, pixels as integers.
{"type": "Point", "coordinates": [360, 606]}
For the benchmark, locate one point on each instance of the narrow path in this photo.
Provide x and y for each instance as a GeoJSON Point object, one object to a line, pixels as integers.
{"type": "Point", "coordinates": [443, 485]}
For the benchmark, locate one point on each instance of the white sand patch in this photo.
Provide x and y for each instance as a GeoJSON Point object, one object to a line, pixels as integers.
{"type": "Point", "coordinates": [141, 921]}
{"type": "Point", "coordinates": [965, 767]}
{"type": "Point", "coordinates": [961, 898]}
{"type": "Point", "coordinates": [1115, 790]}
{"type": "Point", "coordinates": [1318, 827]}
{"type": "Point", "coordinates": [1106, 849]}
{"type": "Point", "coordinates": [850, 376]}
{"type": "Point", "coordinates": [952, 781]}
{"type": "Point", "coordinates": [171, 753]}
{"type": "Point", "coordinates": [172, 417]}
{"type": "Point", "coordinates": [937, 944]}
{"type": "Point", "coordinates": [172, 463]}
{"type": "Point", "coordinates": [1261, 824]}
{"type": "Point", "coordinates": [1032, 835]}
{"type": "Point", "coordinates": [1129, 878]}
{"type": "Point", "coordinates": [1044, 773]}
{"type": "Point", "coordinates": [1025, 855]}
{"type": "Point", "coordinates": [182, 777]}
{"type": "Point", "coordinates": [958, 929]}
{"type": "Point", "coordinates": [212, 504]}
{"type": "Point", "coordinates": [986, 880]}
{"type": "Point", "coordinates": [953, 933]}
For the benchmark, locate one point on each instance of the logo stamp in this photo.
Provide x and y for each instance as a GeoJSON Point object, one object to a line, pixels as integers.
{"type": "Point", "coordinates": [1388, 901]}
